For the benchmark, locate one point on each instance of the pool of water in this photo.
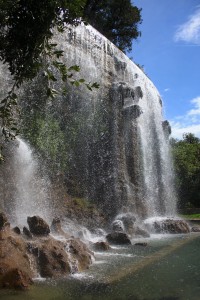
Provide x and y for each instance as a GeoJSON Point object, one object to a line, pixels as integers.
{"type": "Point", "coordinates": [168, 268]}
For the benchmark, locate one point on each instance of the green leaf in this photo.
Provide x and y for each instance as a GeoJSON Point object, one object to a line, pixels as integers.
{"type": "Point", "coordinates": [75, 68]}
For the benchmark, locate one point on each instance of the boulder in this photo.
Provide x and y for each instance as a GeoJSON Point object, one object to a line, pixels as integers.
{"type": "Point", "coordinates": [128, 220]}
{"type": "Point", "coordinates": [22, 259]}
{"type": "Point", "coordinates": [141, 244]}
{"type": "Point", "coordinates": [195, 229]}
{"type": "Point", "coordinates": [141, 232]}
{"type": "Point", "coordinates": [3, 220]}
{"type": "Point", "coordinates": [38, 226]}
{"type": "Point", "coordinates": [117, 225]}
{"type": "Point", "coordinates": [80, 253]}
{"type": "Point", "coordinates": [118, 238]}
{"type": "Point", "coordinates": [15, 268]}
{"type": "Point", "coordinates": [171, 226]}
{"type": "Point", "coordinates": [27, 232]}
{"type": "Point", "coordinates": [51, 258]}
{"type": "Point", "coordinates": [17, 230]}
{"type": "Point", "coordinates": [57, 228]}
{"type": "Point", "coordinates": [17, 279]}
{"type": "Point", "coordinates": [101, 246]}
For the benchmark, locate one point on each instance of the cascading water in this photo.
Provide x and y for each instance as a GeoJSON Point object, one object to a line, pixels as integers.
{"type": "Point", "coordinates": [132, 167]}
{"type": "Point", "coordinates": [31, 189]}
{"type": "Point", "coordinates": [110, 143]}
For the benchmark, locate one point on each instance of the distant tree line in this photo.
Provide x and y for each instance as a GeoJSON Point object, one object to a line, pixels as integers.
{"type": "Point", "coordinates": [186, 155]}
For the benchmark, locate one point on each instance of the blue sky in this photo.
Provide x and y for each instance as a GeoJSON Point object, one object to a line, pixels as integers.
{"type": "Point", "coordinates": [169, 49]}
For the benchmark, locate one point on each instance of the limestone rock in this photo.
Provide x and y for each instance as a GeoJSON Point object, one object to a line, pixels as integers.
{"type": "Point", "coordinates": [128, 220]}
{"type": "Point", "coordinates": [141, 232]}
{"type": "Point", "coordinates": [27, 232]}
{"type": "Point", "coordinates": [15, 268]}
{"type": "Point", "coordinates": [195, 229]}
{"type": "Point", "coordinates": [171, 226]}
{"type": "Point", "coordinates": [51, 257]}
{"type": "Point", "coordinates": [141, 244]}
{"type": "Point", "coordinates": [57, 228]}
{"type": "Point", "coordinates": [117, 225]}
{"type": "Point", "coordinates": [101, 246]}
{"type": "Point", "coordinates": [38, 226]}
{"type": "Point", "coordinates": [3, 220]}
{"type": "Point", "coordinates": [118, 238]}
{"type": "Point", "coordinates": [80, 252]}
{"type": "Point", "coordinates": [17, 230]}
{"type": "Point", "coordinates": [17, 279]}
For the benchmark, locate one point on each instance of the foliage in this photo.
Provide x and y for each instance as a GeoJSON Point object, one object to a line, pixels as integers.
{"type": "Point", "coordinates": [117, 20]}
{"type": "Point", "coordinates": [83, 203]}
{"type": "Point", "coordinates": [191, 217]}
{"type": "Point", "coordinates": [186, 153]}
{"type": "Point", "coordinates": [26, 29]}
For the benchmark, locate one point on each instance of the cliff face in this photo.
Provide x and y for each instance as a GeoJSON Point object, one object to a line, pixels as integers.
{"type": "Point", "coordinates": [109, 144]}
{"type": "Point", "coordinates": [126, 153]}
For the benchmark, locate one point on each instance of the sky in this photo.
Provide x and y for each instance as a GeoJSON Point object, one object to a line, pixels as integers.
{"type": "Point", "coordinates": [169, 50]}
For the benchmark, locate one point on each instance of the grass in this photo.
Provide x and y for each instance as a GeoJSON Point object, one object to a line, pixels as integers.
{"type": "Point", "coordinates": [191, 217]}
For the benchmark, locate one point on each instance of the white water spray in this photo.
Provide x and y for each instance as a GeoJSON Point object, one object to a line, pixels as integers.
{"type": "Point", "coordinates": [31, 196]}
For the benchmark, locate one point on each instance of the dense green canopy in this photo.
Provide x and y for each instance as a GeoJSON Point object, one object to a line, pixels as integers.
{"type": "Point", "coordinates": [26, 28]}
{"type": "Point", "coordinates": [186, 153]}
{"type": "Point", "coordinates": [117, 20]}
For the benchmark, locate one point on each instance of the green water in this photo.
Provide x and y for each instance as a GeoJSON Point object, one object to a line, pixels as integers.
{"type": "Point", "coordinates": [167, 269]}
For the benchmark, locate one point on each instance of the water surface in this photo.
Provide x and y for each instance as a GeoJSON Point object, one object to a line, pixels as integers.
{"type": "Point", "coordinates": [167, 269]}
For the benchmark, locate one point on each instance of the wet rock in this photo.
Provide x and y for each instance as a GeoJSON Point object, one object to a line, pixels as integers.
{"type": "Point", "coordinates": [141, 232]}
{"type": "Point", "coordinates": [99, 231]}
{"type": "Point", "coordinates": [166, 127]}
{"type": "Point", "coordinates": [15, 265]}
{"type": "Point", "coordinates": [118, 238]}
{"type": "Point", "coordinates": [3, 220]}
{"type": "Point", "coordinates": [138, 92]}
{"type": "Point", "coordinates": [171, 226]}
{"type": "Point", "coordinates": [16, 279]}
{"type": "Point", "coordinates": [195, 229]}
{"type": "Point", "coordinates": [80, 252]}
{"type": "Point", "coordinates": [57, 228]}
{"type": "Point", "coordinates": [117, 225]}
{"type": "Point", "coordinates": [128, 220]}
{"type": "Point", "coordinates": [141, 244]}
{"type": "Point", "coordinates": [101, 246]}
{"type": "Point", "coordinates": [27, 232]}
{"type": "Point", "coordinates": [52, 259]}
{"type": "Point", "coordinates": [17, 230]}
{"type": "Point", "coordinates": [133, 111]}
{"type": "Point", "coordinates": [38, 226]}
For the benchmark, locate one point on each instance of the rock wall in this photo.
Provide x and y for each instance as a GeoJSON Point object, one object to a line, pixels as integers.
{"type": "Point", "coordinates": [108, 145]}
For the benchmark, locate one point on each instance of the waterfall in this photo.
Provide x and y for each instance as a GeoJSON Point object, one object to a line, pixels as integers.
{"type": "Point", "coordinates": [31, 189]}
{"type": "Point", "coordinates": [113, 145]}
{"type": "Point", "coordinates": [132, 168]}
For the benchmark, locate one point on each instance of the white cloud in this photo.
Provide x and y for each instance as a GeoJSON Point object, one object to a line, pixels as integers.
{"type": "Point", "coordinates": [190, 122]}
{"type": "Point", "coordinates": [189, 32]}
{"type": "Point", "coordinates": [196, 110]}
{"type": "Point", "coordinates": [178, 130]}
{"type": "Point", "coordinates": [167, 90]}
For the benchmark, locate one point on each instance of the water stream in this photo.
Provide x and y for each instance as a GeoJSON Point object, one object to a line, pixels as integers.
{"type": "Point", "coordinates": [119, 157]}
{"type": "Point", "coordinates": [167, 269]}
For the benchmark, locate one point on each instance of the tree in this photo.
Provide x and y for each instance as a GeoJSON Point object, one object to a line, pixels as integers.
{"type": "Point", "coordinates": [186, 154]}
{"type": "Point", "coordinates": [26, 30]}
{"type": "Point", "coordinates": [117, 20]}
